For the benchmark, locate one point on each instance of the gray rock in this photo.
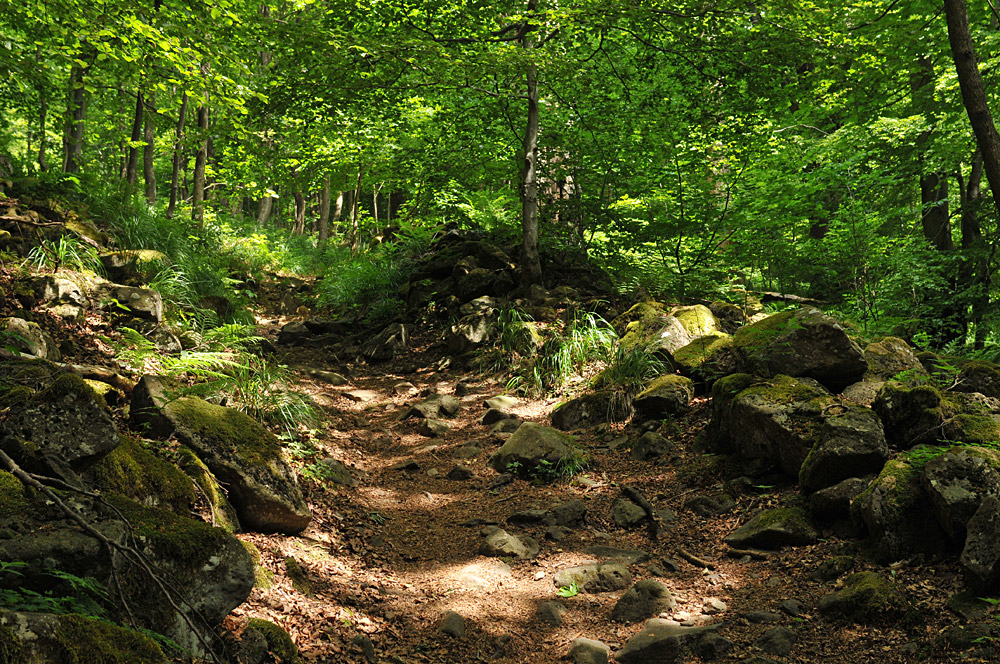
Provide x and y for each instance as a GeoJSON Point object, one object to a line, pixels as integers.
{"type": "Point", "coordinates": [981, 556]}
{"type": "Point", "coordinates": [494, 415]}
{"type": "Point", "coordinates": [337, 472]}
{"type": "Point", "coordinates": [404, 388]}
{"type": "Point", "coordinates": [890, 356]}
{"type": "Point", "coordinates": [911, 415]}
{"type": "Point", "coordinates": [709, 505]}
{"type": "Point", "coordinates": [968, 606]}
{"type": "Point", "coordinates": [792, 607]}
{"type": "Point", "coordinates": [293, 333]}
{"type": "Point", "coordinates": [957, 482]}
{"type": "Point", "coordinates": [433, 407]}
{"type": "Point", "coordinates": [40, 638]}
{"type": "Point", "coordinates": [468, 333]}
{"type": "Point", "coordinates": [588, 651]}
{"type": "Point", "coordinates": [393, 340]}
{"type": "Point", "coordinates": [367, 647]}
{"type": "Point", "coordinates": [851, 444]}
{"type": "Point", "coordinates": [979, 376]}
{"type": "Point", "coordinates": [529, 446]}
{"type": "Point", "coordinates": [460, 472]}
{"type": "Point", "coordinates": [664, 397]}
{"type": "Point", "coordinates": [805, 342]}
{"type": "Point", "coordinates": [777, 641]}
{"type": "Point", "coordinates": [452, 624]}
{"type": "Point", "coordinates": [29, 338]}
{"type": "Point", "coordinates": [645, 599]}
{"type": "Point", "coordinates": [505, 426]}
{"type": "Point", "coordinates": [432, 428]}
{"type": "Point", "coordinates": [774, 529]}
{"type": "Point", "coordinates": [864, 598]}
{"type": "Point", "coordinates": [762, 617]}
{"type": "Point", "coordinates": [651, 445]}
{"type": "Point", "coordinates": [713, 646]}
{"type": "Point", "coordinates": [834, 502]}
{"type": "Point", "coordinates": [832, 569]}
{"type": "Point", "coordinates": [550, 613]}
{"type": "Point", "coordinates": [141, 303]}
{"type": "Point", "coordinates": [624, 556]}
{"type": "Point", "coordinates": [660, 642]}
{"type": "Point", "coordinates": [594, 577]}
{"type": "Point", "coordinates": [627, 514]}
{"type": "Point", "coordinates": [62, 430]}
{"type": "Point", "coordinates": [569, 513]}
{"type": "Point", "coordinates": [463, 388]}
{"type": "Point", "coordinates": [501, 402]}
{"type": "Point", "coordinates": [591, 409]}
{"type": "Point", "coordinates": [500, 543]}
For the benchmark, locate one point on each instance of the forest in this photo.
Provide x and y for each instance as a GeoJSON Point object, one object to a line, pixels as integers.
{"type": "Point", "coordinates": [435, 331]}
{"type": "Point", "coordinates": [819, 149]}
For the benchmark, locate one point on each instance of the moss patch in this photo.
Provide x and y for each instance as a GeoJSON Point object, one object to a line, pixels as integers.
{"type": "Point", "coordinates": [223, 515]}
{"type": "Point", "coordinates": [278, 640]}
{"type": "Point", "coordinates": [754, 337]}
{"type": "Point", "coordinates": [70, 384]}
{"type": "Point", "coordinates": [262, 576]}
{"type": "Point", "coordinates": [697, 319]}
{"type": "Point", "coordinates": [238, 434]}
{"type": "Point", "coordinates": [11, 649]}
{"type": "Point", "coordinates": [974, 429]}
{"type": "Point", "coordinates": [15, 396]}
{"type": "Point", "coordinates": [866, 597]}
{"type": "Point", "coordinates": [297, 575]}
{"type": "Point", "coordinates": [137, 473]}
{"type": "Point", "coordinates": [87, 641]}
{"type": "Point", "coordinates": [699, 352]}
{"type": "Point", "coordinates": [14, 498]}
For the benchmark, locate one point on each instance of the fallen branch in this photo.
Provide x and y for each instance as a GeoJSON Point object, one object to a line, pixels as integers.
{"type": "Point", "coordinates": [695, 560]}
{"type": "Point", "coordinates": [752, 553]}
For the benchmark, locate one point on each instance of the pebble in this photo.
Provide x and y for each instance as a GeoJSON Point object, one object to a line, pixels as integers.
{"type": "Point", "coordinates": [714, 605]}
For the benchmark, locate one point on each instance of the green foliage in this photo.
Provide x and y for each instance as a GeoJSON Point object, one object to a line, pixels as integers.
{"type": "Point", "coordinates": [70, 593]}
{"type": "Point", "coordinates": [572, 590]}
{"type": "Point", "coordinates": [631, 368]}
{"type": "Point", "coordinates": [66, 252]}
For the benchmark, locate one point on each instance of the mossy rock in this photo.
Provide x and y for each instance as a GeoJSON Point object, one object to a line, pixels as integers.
{"type": "Point", "coordinates": [889, 357]}
{"type": "Point", "coordinates": [730, 316]}
{"type": "Point", "coordinates": [298, 576]}
{"type": "Point", "coordinates": [866, 597]}
{"type": "Point", "coordinates": [279, 643]}
{"type": "Point", "coordinates": [697, 319]}
{"type": "Point", "coordinates": [973, 429]}
{"type": "Point", "coordinates": [605, 405]}
{"type": "Point", "coordinates": [775, 529]}
{"type": "Point", "coordinates": [708, 357]}
{"type": "Point", "coordinates": [245, 457]}
{"type": "Point", "coordinates": [911, 414]}
{"type": "Point", "coordinates": [15, 396]}
{"type": "Point", "coordinates": [262, 577]}
{"type": "Point", "coordinates": [643, 311]}
{"type": "Point", "coordinates": [979, 376]}
{"type": "Point", "coordinates": [135, 472]}
{"type": "Point", "coordinates": [222, 513]}
{"type": "Point", "coordinates": [665, 396]}
{"type": "Point", "coordinates": [14, 496]}
{"type": "Point", "coordinates": [72, 639]}
{"type": "Point", "coordinates": [894, 510]}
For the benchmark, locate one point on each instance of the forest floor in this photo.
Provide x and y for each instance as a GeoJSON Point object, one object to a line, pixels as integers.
{"type": "Point", "coordinates": [383, 560]}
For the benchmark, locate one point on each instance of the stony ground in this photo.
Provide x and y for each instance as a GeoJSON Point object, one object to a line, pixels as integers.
{"type": "Point", "coordinates": [386, 558]}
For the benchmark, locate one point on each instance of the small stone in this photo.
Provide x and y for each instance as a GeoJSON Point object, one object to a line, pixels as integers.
{"type": "Point", "coordinates": [557, 533]}
{"type": "Point", "coordinates": [452, 624]}
{"type": "Point", "coordinates": [645, 599]}
{"type": "Point", "coordinates": [361, 396]}
{"type": "Point", "coordinates": [588, 651]}
{"type": "Point", "coordinates": [792, 607]}
{"type": "Point", "coordinates": [460, 472]}
{"type": "Point", "coordinates": [499, 543]}
{"type": "Point", "coordinates": [777, 641]}
{"type": "Point", "coordinates": [550, 613]}
{"type": "Point", "coordinates": [713, 646]}
{"type": "Point", "coordinates": [432, 428]}
{"type": "Point", "coordinates": [539, 576]}
{"type": "Point", "coordinates": [501, 402]}
{"type": "Point", "coordinates": [467, 452]}
{"type": "Point", "coordinates": [505, 426]}
{"type": "Point", "coordinates": [433, 472]}
{"type": "Point", "coordinates": [463, 388]}
{"type": "Point", "coordinates": [404, 388]}
{"type": "Point", "coordinates": [713, 605]}
{"type": "Point", "coordinates": [409, 466]}
{"type": "Point", "coordinates": [494, 415]}
{"type": "Point", "coordinates": [367, 647]}
{"type": "Point", "coordinates": [627, 514]}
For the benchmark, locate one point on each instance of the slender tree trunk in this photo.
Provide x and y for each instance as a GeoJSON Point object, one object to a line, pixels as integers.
{"type": "Point", "coordinates": [264, 212]}
{"type": "Point", "coordinates": [300, 214]}
{"type": "Point", "coordinates": [531, 269]}
{"type": "Point", "coordinates": [178, 151]}
{"type": "Point", "coordinates": [76, 114]}
{"type": "Point", "coordinates": [355, 201]}
{"type": "Point", "coordinates": [338, 207]}
{"type": "Point", "coordinates": [324, 212]}
{"type": "Point", "coordinates": [973, 95]}
{"type": "Point", "coordinates": [149, 149]}
{"type": "Point", "coordinates": [375, 203]}
{"type": "Point", "coordinates": [198, 195]}
{"type": "Point", "coordinates": [132, 167]}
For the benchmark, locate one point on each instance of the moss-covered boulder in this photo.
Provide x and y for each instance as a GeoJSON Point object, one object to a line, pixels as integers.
{"type": "Point", "coordinates": [263, 641]}
{"type": "Point", "coordinates": [911, 415]}
{"type": "Point", "coordinates": [804, 342]}
{"type": "Point", "coordinates": [28, 337]}
{"type": "Point", "coordinates": [777, 420]}
{"type": "Point", "coordinates": [149, 397]}
{"type": "Point", "coordinates": [133, 471]}
{"type": "Point", "coordinates": [889, 357]}
{"type": "Point", "coordinates": [775, 529]}
{"type": "Point", "coordinates": [532, 447]}
{"type": "Point", "coordinates": [141, 303]}
{"type": "Point", "coordinates": [981, 554]}
{"type": "Point", "coordinates": [247, 459]}
{"type": "Point", "coordinates": [851, 444]}
{"type": "Point", "coordinates": [62, 430]}
{"type": "Point", "coordinates": [730, 316]}
{"type": "Point", "coordinates": [697, 319]}
{"type": "Point", "coordinates": [664, 397]}
{"type": "Point", "coordinates": [894, 511]}
{"type": "Point", "coordinates": [36, 638]}
{"type": "Point", "coordinates": [133, 267]}
{"type": "Point", "coordinates": [393, 340]}
{"type": "Point", "coordinates": [866, 597]}
{"type": "Point", "coordinates": [708, 358]}
{"type": "Point", "coordinates": [592, 408]}
{"type": "Point", "coordinates": [221, 512]}
{"type": "Point", "coordinates": [979, 376]}
{"type": "Point", "coordinates": [648, 325]}
{"type": "Point", "coordinates": [957, 481]}
{"type": "Point", "coordinates": [642, 311]}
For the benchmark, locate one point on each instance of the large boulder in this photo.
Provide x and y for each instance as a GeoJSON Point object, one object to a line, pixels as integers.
{"type": "Point", "coordinates": [468, 333]}
{"type": "Point", "coordinates": [889, 357]}
{"type": "Point", "coordinates": [911, 414]}
{"type": "Point", "coordinates": [43, 638]}
{"type": "Point", "coordinates": [133, 267]}
{"type": "Point", "coordinates": [133, 471]}
{"type": "Point", "coordinates": [979, 376]}
{"type": "Point", "coordinates": [246, 458]}
{"type": "Point", "coordinates": [709, 357]}
{"type": "Point", "coordinates": [27, 337]}
{"type": "Point", "coordinates": [607, 405]}
{"type": "Point", "coordinates": [697, 319]}
{"type": "Point", "coordinates": [957, 482]}
{"type": "Point", "coordinates": [804, 342]}
{"type": "Point", "coordinates": [851, 444]}
{"type": "Point", "coordinates": [775, 529]}
{"type": "Point", "coordinates": [894, 510]}
{"type": "Point", "coordinates": [534, 446]}
{"type": "Point", "coordinates": [62, 296]}
{"type": "Point", "coordinates": [648, 325]}
{"type": "Point", "coordinates": [777, 420]}
{"type": "Point", "coordinates": [981, 555]}
{"type": "Point", "coordinates": [665, 397]}
{"type": "Point", "coordinates": [63, 429]}
{"type": "Point", "coordinates": [141, 303]}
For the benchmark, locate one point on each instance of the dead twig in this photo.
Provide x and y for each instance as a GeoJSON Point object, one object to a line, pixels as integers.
{"type": "Point", "coordinates": [695, 560]}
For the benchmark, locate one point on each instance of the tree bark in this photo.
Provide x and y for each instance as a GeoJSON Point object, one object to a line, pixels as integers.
{"type": "Point", "coordinates": [324, 212]}
{"type": "Point", "coordinates": [355, 200]}
{"type": "Point", "coordinates": [198, 193]}
{"type": "Point", "coordinates": [76, 113]}
{"type": "Point", "coordinates": [531, 269]}
{"type": "Point", "coordinates": [149, 149]}
{"type": "Point", "coordinates": [178, 150]}
{"type": "Point", "coordinates": [973, 95]}
{"type": "Point", "coordinates": [132, 166]}
{"type": "Point", "coordinates": [300, 214]}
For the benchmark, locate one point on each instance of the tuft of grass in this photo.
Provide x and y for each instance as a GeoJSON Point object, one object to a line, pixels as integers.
{"type": "Point", "coordinates": [66, 252]}
{"type": "Point", "coordinates": [631, 368]}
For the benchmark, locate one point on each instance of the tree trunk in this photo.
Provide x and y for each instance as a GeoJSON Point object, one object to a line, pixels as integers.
{"type": "Point", "coordinates": [178, 150]}
{"type": "Point", "coordinates": [531, 269]}
{"type": "Point", "coordinates": [76, 113]}
{"type": "Point", "coordinates": [149, 149]}
{"type": "Point", "coordinates": [324, 212]}
{"type": "Point", "coordinates": [132, 166]}
{"type": "Point", "coordinates": [198, 193]}
{"type": "Point", "coordinates": [355, 200]}
{"type": "Point", "coordinates": [264, 211]}
{"type": "Point", "coordinates": [300, 214]}
{"type": "Point", "coordinates": [973, 95]}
